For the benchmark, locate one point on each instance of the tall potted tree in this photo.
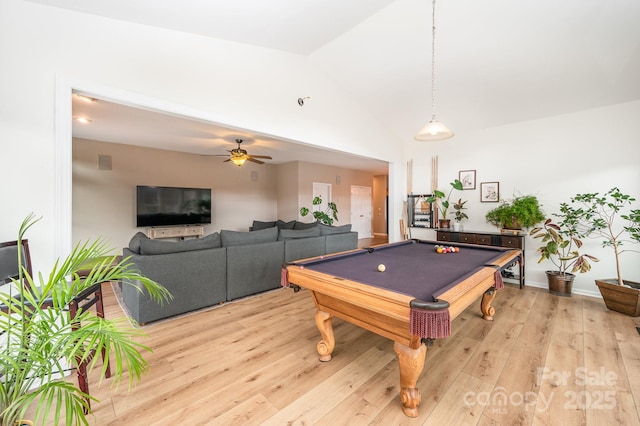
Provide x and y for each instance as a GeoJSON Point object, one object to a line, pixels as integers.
{"type": "Point", "coordinates": [40, 338]}
{"type": "Point", "coordinates": [442, 203]}
{"type": "Point", "coordinates": [610, 218]}
{"type": "Point", "coordinates": [561, 246]}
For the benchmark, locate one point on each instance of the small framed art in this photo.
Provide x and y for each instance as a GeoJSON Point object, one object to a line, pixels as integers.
{"type": "Point", "coordinates": [468, 179]}
{"type": "Point", "coordinates": [489, 192]}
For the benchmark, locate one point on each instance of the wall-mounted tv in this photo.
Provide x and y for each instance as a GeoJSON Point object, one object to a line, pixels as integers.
{"type": "Point", "coordinates": [166, 206]}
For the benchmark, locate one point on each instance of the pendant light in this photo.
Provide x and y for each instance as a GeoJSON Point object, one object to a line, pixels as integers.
{"type": "Point", "coordinates": [434, 129]}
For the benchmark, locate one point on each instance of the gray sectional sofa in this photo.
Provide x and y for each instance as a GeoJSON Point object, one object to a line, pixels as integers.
{"type": "Point", "coordinates": [224, 266]}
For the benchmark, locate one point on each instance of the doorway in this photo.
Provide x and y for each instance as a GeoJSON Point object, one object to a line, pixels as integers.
{"type": "Point", "coordinates": [361, 211]}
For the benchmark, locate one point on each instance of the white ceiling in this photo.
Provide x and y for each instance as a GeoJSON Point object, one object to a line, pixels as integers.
{"type": "Point", "coordinates": [498, 61]}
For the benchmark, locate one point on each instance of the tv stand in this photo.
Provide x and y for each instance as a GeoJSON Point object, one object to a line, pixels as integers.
{"type": "Point", "coordinates": [176, 231]}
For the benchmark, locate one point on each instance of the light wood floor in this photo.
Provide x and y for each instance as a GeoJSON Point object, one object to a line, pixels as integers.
{"type": "Point", "coordinates": [545, 360]}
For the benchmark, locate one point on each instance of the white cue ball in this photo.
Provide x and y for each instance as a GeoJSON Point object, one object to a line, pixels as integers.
{"type": "Point", "coordinates": [381, 267]}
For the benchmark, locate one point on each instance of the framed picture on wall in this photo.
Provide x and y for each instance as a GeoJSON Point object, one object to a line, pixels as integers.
{"type": "Point", "coordinates": [489, 192]}
{"type": "Point", "coordinates": [468, 179]}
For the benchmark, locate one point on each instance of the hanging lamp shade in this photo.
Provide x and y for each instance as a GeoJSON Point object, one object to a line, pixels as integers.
{"type": "Point", "coordinates": [434, 130]}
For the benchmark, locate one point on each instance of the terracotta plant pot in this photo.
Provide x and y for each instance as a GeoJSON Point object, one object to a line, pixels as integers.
{"type": "Point", "coordinates": [444, 223]}
{"type": "Point", "coordinates": [560, 284]}
{"type": "Point", "coordinates": [620, 298]}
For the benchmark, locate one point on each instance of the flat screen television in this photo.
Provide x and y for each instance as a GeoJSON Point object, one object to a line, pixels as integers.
{"type": "Point", "coordinates": [167, 206]}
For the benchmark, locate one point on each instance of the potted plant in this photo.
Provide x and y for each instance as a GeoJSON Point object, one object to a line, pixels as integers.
{"type": "Point", "coordinates": [561, 246]}
{"type": "Point", "coordinates": [609, 217]}
{"type": "Point", "coordinates": [521, 212]}
{"type": "Point", "coordinates": [459, 214]}
{"type": "Point", "coordinates": [442, 203]}
{"type": "Point", "coordinates": [40, 339]}
{"type": "Point", "coordinates": [326, 216]}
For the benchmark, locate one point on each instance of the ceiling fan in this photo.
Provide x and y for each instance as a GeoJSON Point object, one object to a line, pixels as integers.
{"type": "Point", "coordinates": [239, 156]}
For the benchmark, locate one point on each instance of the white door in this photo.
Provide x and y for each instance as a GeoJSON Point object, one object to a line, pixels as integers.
{"type": "Point", "coordinates": [361, 211]}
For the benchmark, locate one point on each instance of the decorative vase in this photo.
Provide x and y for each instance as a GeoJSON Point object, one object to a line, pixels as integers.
{"type": "Point", "coordinates": [619, 298]}
{"type": "Point", "coordinates": [560, 284]}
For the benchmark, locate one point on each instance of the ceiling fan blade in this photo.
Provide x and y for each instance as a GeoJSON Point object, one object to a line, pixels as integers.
{"type": "Point", "coordinates": [261, 156]}
{"type": "Point", "coordinates": [254, 160]}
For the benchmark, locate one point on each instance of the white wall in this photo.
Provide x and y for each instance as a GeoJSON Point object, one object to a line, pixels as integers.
{"type": "Point", "coordinates": [553, 158]}
{"type": "Point", "coordinates": [47, 51]}
{"type": "Point", "coordinates": [104, 200]}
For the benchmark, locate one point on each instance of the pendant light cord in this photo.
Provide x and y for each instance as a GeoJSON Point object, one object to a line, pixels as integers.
{"type": "Point", "coordinates": [433, 61]}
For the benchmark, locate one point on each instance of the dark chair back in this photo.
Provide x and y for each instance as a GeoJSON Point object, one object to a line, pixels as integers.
{"type": "Point", "coordinates": [9, 260]}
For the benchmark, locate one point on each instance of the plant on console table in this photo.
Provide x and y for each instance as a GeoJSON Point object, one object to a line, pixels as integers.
{"type": "Point", "coordinates": [610, 218]}
{"type": "Point", "coordinates": [442, 203]}
{"type": "Point", "coordinates": [40, 338]}
{"type": "Point", "coordinates": [521, 212]}
{"type": "Point", "coordinates": [326, 216]}
{"type": "Point", "coordinates": [459, 214]}
{"type": "Point", "coordinates": [561, 246]}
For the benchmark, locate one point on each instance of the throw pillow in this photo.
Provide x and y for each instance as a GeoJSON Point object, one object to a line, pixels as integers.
{"type": "Point", "coordinates": [288, 234]}
{"type": "Point", "coordinates": [238, 238]}
{"type": "Point", "coordinates": [329, 230]}
{"type": "Point", "coordinates": [151, 247]}
{"type": "Point", "coordinates": [258, 225]}
{"type": "Point", "coordinates": [302, 225]}
{"type": "Point", "coordinates": [134, 244]}
{"type": "Point", "coordinates": [281, 224]}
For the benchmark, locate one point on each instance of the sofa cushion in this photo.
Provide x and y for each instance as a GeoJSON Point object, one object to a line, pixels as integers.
{"type": "Point", "coordinates": [258, 225]}
{"type": "Point", "coordinates": [288, 234]}
{"type": "Point", "coordinates": [134, 244]}
{"type": "Point", "coordinates": [330, 230]}
{"type": "Point", "coordinates": [281, 224]}
{"type": "Point", "coordinates": [303, 225]}
{"type": "Point", "coordinates": [150, 247]}
{"type": "Point", "coordinates": [238, 238]}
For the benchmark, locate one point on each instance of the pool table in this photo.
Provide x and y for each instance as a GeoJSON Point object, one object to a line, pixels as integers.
{"type": "Point", "coordinates": [413, 301]}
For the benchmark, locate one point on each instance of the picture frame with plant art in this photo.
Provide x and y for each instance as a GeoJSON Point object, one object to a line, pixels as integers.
{"type": "Point", "coordinates": [489, 192]}
{"type": "Point", "coordinates": [468, 179]}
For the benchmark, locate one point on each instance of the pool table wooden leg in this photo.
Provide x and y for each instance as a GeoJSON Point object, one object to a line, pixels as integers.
{"type": "Point", "coordinates": [411, 360]}
{"type": "Point", "coordinates": [488, 311]}
{"type": "Point", "coordinates": [328, 342]}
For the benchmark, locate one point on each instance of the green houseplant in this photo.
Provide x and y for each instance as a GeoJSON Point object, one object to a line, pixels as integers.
{"type": "Point", "coordinates": [520, 212]}
{"type": "Point", "coordinates": [561, 246]}
{"type": "Point", "coordinates": [40, 339]}
{"type": "Point", "coordinates": [610, 218]}
{"type": "Point", "coordinates": [442, 202]}
{"type": "Point", "coordinates": [326, 216]}
{"type": "Point", "coordinates": [459, 213]}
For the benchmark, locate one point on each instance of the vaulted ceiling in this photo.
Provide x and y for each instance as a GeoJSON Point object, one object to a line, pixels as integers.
{"type": "Point", "coordinates": [497, 62]}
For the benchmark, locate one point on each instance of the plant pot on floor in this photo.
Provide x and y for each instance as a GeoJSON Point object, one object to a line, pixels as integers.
{"type": "Point", "coordinates": [619, 298]}
{"type": "Point", "coordinates": [560, 284]}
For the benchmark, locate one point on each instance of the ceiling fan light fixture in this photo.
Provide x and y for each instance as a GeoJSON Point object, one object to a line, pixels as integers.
{"type": "Point", "coordinates": [239, 160]}
{"type": "Point", "coordinates": [434, 130]}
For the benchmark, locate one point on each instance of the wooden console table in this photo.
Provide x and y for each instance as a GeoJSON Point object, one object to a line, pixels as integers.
{"type": "Point", "coordinates": [488, 239]}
